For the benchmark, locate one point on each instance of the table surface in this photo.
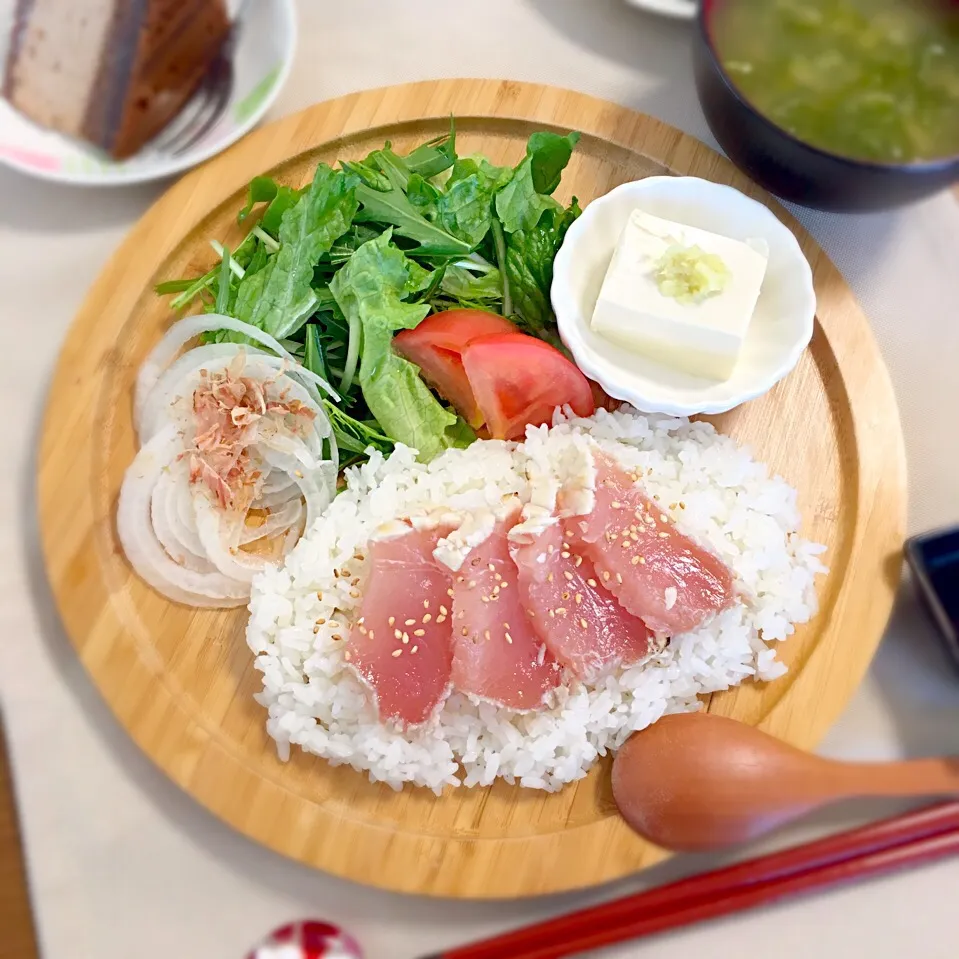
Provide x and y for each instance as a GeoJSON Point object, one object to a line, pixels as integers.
{"type": "Point", "coordinates": [123, 864]}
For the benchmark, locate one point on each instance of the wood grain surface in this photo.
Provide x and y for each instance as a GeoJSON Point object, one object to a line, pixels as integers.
{"type": "Point", "coordinates": [17, 935]}
{"type": "Point", "coordinates": [181, 681]}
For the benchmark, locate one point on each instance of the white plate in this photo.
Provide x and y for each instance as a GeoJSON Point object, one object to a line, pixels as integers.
{"type": "Point", "coordinates": [678, 9]}
{"type": "Point", "coordinates": [782, 323]}
{"type": "Point", "coordinates": [261, 62]}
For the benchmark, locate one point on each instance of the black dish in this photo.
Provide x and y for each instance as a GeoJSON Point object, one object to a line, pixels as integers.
{"type": "Point", "coordinates": [792, 169]}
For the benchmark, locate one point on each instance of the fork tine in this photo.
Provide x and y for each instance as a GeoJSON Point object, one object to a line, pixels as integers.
{"type": "Point", "coordinates": [218, 97]}
{"type": "Point", "coordinates": [184, 121]}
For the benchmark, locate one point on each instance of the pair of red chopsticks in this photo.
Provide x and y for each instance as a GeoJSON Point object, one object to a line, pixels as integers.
{"type": "Point", "coordinates": [908, 840]}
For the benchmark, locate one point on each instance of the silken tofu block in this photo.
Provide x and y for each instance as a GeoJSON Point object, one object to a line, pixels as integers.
{"type": "Point", "coordinates": [701, 337]}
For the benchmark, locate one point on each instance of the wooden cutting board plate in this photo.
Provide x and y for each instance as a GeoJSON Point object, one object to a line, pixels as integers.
{"type": "Point", "coordinates": [182, 681]}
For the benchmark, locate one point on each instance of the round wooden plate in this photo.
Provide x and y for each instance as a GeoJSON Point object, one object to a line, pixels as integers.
{"type": "Point", "coordinates": [182, 682]}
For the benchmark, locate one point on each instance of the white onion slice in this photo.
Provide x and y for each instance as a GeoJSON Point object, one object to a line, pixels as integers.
{"type": "Point", "coordinates": [163, 354]}
{"type": "Point", "coordinates": [153, 409]}
{"type": "Point", "coordinates": [219, 530]}
{"type": "Point", "coordinates": [143, 549]}
{"type": "Point", "coordinates": [279, 521]}
{"type": "Point", "coordinates": [174, 531]}
{"type": "Point", "coordinates": [179, 540]}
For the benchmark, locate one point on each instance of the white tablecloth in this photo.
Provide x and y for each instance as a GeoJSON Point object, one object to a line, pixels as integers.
{"type": "Point", "coordinates": [123, 864]}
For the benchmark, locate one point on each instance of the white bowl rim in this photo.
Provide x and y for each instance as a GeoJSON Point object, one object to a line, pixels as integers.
{"type": "Point", "coordinates": [161, 170]}
{"type": "Point", "coordinates": [646, 400]}
{"type": "Point", "coordinates": [674, 9]}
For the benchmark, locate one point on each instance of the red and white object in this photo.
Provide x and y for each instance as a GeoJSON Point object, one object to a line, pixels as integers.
{"type": "Point", "coordinates": [308, 940]}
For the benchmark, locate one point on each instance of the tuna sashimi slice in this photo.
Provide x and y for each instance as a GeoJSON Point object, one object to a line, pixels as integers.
{"type": "Point", "coordinates": [400, 643]}
{"type": "Point", "coordinates": [656, 572]}
{"type": "Point", "coordinates": [582, 623]}
{"type": "Point", "coordinates": [497, 655]}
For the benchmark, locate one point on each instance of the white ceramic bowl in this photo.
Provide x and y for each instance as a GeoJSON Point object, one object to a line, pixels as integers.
{"type": "Point", "coordinates": [261, 62]}
{"type": "Point", "coordinates": [781, 326]}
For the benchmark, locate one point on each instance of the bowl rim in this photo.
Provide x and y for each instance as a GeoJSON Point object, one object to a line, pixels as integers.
{"type": "Point", "coordinates": [919, 167]}
{"type": "Point", "coordinates": [564, 302]}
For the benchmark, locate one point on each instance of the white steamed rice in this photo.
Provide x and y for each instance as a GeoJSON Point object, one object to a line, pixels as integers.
{"type": "Point", "coordinates": [300, 613]}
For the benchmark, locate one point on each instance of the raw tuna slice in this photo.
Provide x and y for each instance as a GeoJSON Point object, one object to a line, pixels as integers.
{"type": "Point", "coordinates": [497, 654]}
{"type": "Point", "coordinates": [400, 644]}
{"type": "Point", "coordinates": [656, 572]}
{"type": "Point", "coordinates": [583, 625]}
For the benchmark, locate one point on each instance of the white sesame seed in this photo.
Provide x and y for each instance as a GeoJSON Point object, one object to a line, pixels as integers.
{"type": "Point", "coordinates": [579, 598]}
{"type": "Point", "coordinates": [409, 622]}
{"type": "Point", "coordinates": [567, 574]}
{"type": "Point", "coordinates": [560, 610]}
{"type": "Point", "coordinates": [509, 638]}
{"type": "Point", "coordinates": [582, 622]}
{"type": "Point", "coordinates": [664, 535]}
{"type": "Point", "coordinates": [419, 632]}
{"type": "Point", "coordinates": [413, 650]}
{"type": "Point", "coordinates": [427, 617]}
{"type": "Point", "coordinates": [591, 582]}
{"type": "Point", "coordinates": [397, 633]}
{"type": "Point", "coordinates": [391, 620]}
{"type": "Point", "coordinates": [396, 652]}
{"type": "Point", "coordinates": [426, 604]}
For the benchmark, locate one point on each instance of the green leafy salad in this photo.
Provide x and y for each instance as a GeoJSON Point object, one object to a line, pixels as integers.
{"type": "Point", "coordinates": [334, 269]}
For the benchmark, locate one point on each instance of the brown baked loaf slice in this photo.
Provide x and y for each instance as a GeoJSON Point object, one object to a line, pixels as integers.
{"type": "Point", "coordinates": [112, 72]}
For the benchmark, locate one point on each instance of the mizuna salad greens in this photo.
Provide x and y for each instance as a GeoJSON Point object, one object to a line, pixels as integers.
{"type": "Point", "coordinates": [372, 247]}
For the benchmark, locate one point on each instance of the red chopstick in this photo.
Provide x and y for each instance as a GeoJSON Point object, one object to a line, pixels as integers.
{"type": "Point", "coordinates": [911, 839]}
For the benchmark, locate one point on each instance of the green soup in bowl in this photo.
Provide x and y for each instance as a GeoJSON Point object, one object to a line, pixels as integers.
{"type": "Point", "coordinates": [873, 80]}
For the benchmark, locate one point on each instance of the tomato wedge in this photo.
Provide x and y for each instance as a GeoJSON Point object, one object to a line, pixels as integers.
{"type": "Point", "coordinates": [518, 381]}
{"type": "Point", "coordinates": [436, 347]}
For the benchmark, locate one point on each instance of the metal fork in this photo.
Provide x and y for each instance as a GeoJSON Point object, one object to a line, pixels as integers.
{"type": "Point", "coordinates": [208, 104]}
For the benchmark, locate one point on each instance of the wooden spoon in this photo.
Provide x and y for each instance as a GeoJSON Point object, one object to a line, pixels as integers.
{"type": "Point", "coordinates": [694, 781]}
